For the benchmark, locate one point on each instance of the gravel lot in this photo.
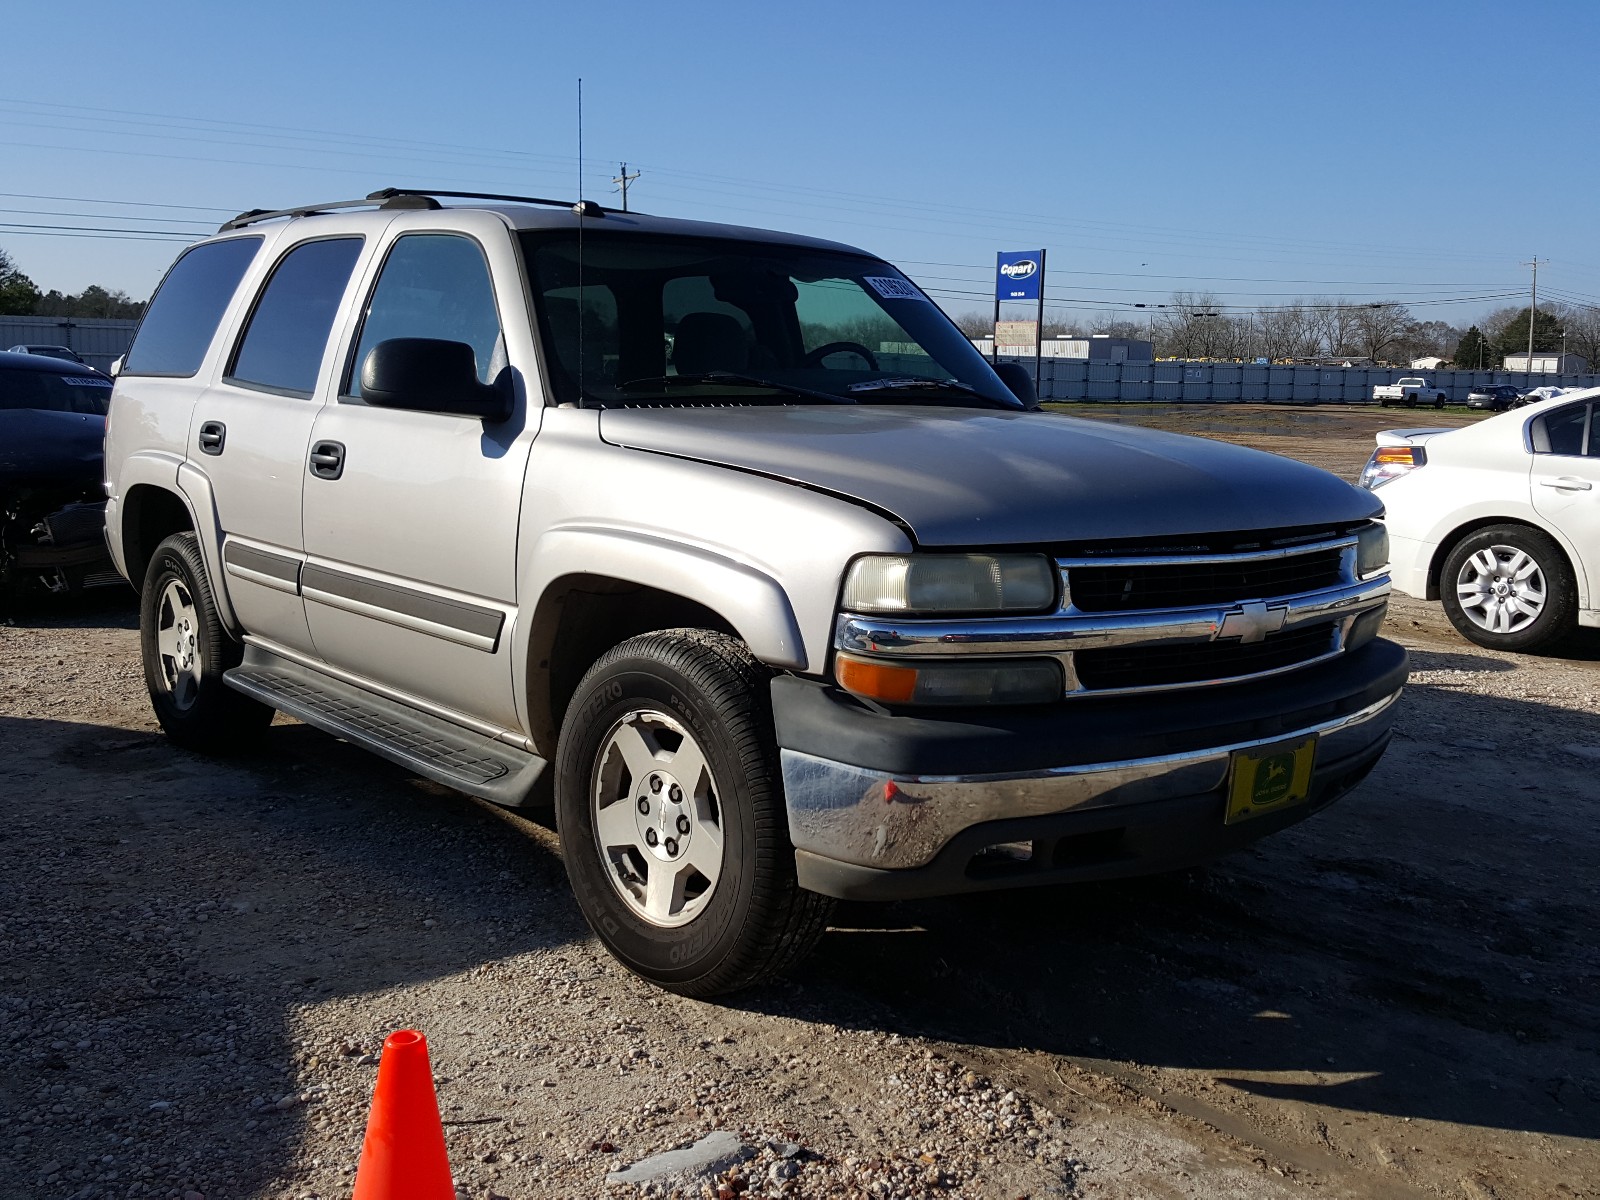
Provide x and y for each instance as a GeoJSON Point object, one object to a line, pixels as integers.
{"type": "Point", "coordinates": [199, 961]}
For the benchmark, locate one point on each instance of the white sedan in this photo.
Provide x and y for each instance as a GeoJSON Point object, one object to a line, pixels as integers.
{"type": "Point", "coordinates": [1499, 521]}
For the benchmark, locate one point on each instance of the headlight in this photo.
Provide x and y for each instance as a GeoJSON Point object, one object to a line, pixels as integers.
{"type": "Point", "coordinates": [1003, 681]}
{"type": "Point", "coordinates": [1372, 550]}
{"type": "Point", "coordinates": [950, 583]}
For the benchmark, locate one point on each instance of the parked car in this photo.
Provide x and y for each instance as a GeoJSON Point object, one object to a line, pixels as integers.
{"type": "Point", "coordinates": [52, 503]}
{"type": "Point", "coordinates": [1410, 392]}
{"type": "Point", "coordinates": [733, 542]}
{"type": "Point", "coordinates": [1499, 521]}
{"type": "Point", "coordinates": [1497, 397]}
{"type": "Point", "coordinates": [66, 352]}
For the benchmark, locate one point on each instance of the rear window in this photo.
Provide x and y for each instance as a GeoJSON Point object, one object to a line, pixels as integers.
{"type": "Point", "coordinates": [282, 348]}
{"type": "Point", "coordinates": [54, 393]}
{"type": "Point", "coordinates": [187, 307]}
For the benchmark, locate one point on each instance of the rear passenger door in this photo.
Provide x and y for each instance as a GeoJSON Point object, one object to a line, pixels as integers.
{"type": "Point", "coordinates": [1566, 479]}
{"type": "Point", "coordinates": [251, 429]}
{"type": "Point", "coordinates": [411, 542]}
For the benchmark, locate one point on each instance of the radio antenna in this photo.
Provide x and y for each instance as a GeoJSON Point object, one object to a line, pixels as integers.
{"type": "Point", "coordinates": [578, 208]}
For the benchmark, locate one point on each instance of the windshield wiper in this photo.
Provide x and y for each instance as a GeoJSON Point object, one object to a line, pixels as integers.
{"type": "Point", "coordinates": [729, 379]}
{"type": "Point", "coordinates": [919, 383]}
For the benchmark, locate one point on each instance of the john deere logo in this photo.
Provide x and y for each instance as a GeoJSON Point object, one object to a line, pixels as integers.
{"type": "Point", "coordinates": [1274, 777]}
{"type": "Point", "coordinates": [1020, 269]}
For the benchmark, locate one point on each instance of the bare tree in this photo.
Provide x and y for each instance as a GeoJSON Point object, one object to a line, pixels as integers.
{"type": "Point", "coordinates": [1287, 331]}
{"type": "Point", "coordinates": [974, 324]}
{"type": "Point", "coordinates": [1335, 325]}
{"type": "Point", "coordinates": [1379, 328]}
{"type": "Point", "coordinates": [1582, 325]}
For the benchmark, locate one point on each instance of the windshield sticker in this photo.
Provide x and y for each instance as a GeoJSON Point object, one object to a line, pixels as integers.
{"type": "Point", "coordinates": [85, 381]}
{"type": "Point", "coordinates": [893, 289]}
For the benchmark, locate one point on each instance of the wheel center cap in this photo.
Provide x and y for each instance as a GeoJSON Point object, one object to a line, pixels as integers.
{"type": "Point", "coordinates": [663, 815]}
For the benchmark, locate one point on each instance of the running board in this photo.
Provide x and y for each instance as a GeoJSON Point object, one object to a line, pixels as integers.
{"type": "Point", "coordinates": [434, 748]}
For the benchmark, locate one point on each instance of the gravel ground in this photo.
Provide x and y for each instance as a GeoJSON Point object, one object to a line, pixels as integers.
{"type": "Point", "coordinates": [199, 961]}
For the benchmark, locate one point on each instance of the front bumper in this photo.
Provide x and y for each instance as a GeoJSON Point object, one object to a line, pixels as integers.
{"type": "Point", "coordinates": [881, 806]}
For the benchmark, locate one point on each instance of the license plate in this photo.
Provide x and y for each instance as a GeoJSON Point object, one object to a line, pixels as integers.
{"type": "Point", "coordinates": [1270, 778]}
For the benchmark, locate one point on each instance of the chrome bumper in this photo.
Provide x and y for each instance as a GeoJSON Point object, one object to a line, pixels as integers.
{"type": "Point", "coordinates": [853, 815]}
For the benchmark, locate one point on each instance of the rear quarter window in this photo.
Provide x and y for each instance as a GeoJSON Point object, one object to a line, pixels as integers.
{"type": "Point", "coordinates": [187, 307]}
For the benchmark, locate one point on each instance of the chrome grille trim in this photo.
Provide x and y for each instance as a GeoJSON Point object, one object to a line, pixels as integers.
{"type": "Point", "coordinates": [1063, 632]}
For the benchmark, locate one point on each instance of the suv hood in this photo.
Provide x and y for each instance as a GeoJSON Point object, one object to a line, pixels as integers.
{"type": "Point", "coordinates": [964, 477]}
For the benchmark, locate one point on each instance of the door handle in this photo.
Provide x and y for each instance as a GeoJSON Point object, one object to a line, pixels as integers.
{"type": "Point", "coordinates": [213, 435]}
{"type": "Point", "coordinates": [1567, 483]}
{"type": "Point", "coordinates": [327, 460]}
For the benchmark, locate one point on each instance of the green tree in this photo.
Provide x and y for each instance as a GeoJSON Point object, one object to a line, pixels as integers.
{"type": "Point", "coordinates": [1546, 333]}
{"type": "Point", "coordinates": [18, 293]}
{"type": "Point", "coordinates": [1474, 353]}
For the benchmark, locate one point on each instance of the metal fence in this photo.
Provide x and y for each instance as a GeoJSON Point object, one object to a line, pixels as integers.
{"type": "Point", "coordinates": [1211, 383]}
{"type": "Point", "coordinates": [97, 340]}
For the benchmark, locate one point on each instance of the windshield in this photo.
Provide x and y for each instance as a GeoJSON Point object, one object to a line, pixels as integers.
{"type": "Point", "coordinates": [676, 320]}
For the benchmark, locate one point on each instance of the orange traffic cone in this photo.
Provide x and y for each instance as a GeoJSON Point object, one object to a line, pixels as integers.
{"type": "Point", "coordinates": [403, 1156]}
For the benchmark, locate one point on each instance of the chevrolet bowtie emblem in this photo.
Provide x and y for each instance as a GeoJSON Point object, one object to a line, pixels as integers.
{"type": "Point", "coordinates": [1251, 622]}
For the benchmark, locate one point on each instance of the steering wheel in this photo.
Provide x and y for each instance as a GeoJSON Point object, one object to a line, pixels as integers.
{"type": "Point", "coordinates": [816, 356]}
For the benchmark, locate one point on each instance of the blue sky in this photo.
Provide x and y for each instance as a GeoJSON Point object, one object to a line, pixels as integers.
{"type": "Point", "coordinates": [1413, 152]}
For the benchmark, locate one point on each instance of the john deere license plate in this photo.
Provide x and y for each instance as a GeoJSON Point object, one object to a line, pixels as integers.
{"type": "Point", "coordinates": [1270, 778]}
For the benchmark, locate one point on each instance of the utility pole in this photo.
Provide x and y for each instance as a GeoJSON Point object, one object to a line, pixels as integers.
{"type": "Point", "coordinates": [1533, 310]}
{"type": "Point", "coordinates": [622, 181]}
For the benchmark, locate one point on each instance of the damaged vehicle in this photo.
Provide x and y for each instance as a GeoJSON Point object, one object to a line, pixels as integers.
{"type": "Point", "coordinates": [52, 501]}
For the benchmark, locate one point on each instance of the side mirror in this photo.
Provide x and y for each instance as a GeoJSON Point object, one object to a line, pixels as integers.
{"type": "Point", "coordinates": [429, 375]}
{"type": "Point", "coordinates": [115, 368]}
{"type": "Point", "coordinates": [1016, 377]}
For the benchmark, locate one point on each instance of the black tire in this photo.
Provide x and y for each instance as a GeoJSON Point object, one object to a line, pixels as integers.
{"type": "Point", "coordinates": [1558, 616]}
{"type": "Point", "coordinates": [195, 707]}
{"type": "Point", "coordinates": [754, 921]}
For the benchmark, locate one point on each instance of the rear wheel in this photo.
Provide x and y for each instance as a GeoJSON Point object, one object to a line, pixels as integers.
{"type": "Point", "coordinates": [186, 650]}
{"type": "Point", "coordinates": [1509, 587]}
{"type": "Point", "coordinates": [669, 803]}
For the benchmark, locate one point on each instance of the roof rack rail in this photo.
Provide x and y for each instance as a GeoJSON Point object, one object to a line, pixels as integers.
{"type": "Point", "coordinates": [376, 200]}
{"type": "Point", "coordinates": [584, 208]}
{"type": "Point", "coordinates": [403, 198]}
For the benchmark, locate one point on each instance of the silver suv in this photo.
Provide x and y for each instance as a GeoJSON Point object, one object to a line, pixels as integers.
{"type": "Point", "coordinates": [728, 542]}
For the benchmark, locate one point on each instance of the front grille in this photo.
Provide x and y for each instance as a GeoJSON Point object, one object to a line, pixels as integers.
{"type": "Point", "coordinates": [1165, 666]}
{"type": "Point", "coordinates": [1122, 587]}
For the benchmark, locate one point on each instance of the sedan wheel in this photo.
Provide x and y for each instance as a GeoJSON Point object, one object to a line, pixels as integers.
{"type": "Point", "coordinates": [1509, 587]}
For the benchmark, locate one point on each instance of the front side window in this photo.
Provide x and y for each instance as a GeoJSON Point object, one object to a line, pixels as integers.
{"type": "Point", "coordinates": [433, 285]}
{"type": "Point", "coordinates": [184, 313]}
{"type": "Point", "coordinates": [668, 319]}
{"type": "Point", "coordinates": [283, 344]}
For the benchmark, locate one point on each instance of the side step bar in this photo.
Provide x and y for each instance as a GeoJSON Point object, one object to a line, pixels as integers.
{"type": "Point", "coordinates": [431, 746]}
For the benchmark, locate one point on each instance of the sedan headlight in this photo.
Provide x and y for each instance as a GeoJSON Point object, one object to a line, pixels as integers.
{"type": "Point", "coordinates": [1372, 550]}
{"type": "Point", "coordinates": [950, 583]}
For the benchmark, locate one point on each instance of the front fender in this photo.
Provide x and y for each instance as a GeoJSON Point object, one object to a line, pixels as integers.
{"type": "Point", "coordinates": [750, 600]}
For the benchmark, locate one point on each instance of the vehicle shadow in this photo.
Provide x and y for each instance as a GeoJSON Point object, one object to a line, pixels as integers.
{"type": "Point", "coordinates": [1407, 952]}
{"type": "Point", "coordinates": [169, 917]}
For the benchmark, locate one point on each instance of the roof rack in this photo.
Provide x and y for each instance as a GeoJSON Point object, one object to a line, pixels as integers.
{"type": "Point", "coordinates": [402, 198]}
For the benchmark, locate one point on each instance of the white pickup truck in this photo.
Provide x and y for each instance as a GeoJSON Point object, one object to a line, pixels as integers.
{"type": "Point", "coordinates": [1411, 391]}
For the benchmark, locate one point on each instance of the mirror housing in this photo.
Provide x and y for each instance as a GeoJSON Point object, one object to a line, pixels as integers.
{"type": "Point", "coordinates": [1016, 377]}
{"type": "Point", "coordinates": [430, 375]}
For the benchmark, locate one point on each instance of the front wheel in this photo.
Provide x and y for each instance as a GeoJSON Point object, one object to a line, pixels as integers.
{"type": "Point", "coordinates": [1509, 587]}
{"type": "Point", "coordinates": [186, 649]}
{"type": "Point", "coordinates": [669, 803]}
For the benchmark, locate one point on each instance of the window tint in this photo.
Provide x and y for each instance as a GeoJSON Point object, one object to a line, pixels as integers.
{"type": "Point", "coordinates": [282, 348]}
{"type": "Point", "coordinates": [54, 393]}
{"type": "Point", "coordinates": [433, 285]}
{"type": "Point", "coordinates": [1561, 432]}
{"type": "Point", "coordinates": [184, 313]}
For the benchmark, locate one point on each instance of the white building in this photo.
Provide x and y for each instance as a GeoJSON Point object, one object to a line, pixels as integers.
{"type": "Point", "coordinates": [1547, 362]}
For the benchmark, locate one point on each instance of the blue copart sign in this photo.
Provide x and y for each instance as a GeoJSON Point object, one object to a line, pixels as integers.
{"type": "Point", "coordinates": [1019, 275]}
